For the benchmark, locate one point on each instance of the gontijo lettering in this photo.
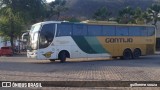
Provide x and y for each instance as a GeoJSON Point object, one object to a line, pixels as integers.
{"type": "Point", "coordinates": [119, 40]}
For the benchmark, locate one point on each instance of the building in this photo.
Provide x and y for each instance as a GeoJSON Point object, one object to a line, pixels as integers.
{"type": "Point", "coordinates": [4, 43]}
{"type": "Point", "coordinates": [158, 36]}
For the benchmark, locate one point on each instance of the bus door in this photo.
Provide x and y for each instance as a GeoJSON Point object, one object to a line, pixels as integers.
{"type": "Point", "coordinates": [46, 46]}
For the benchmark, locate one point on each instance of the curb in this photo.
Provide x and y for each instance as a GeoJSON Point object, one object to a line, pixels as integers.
{"type": "Point", "coordinates": [157, 53]}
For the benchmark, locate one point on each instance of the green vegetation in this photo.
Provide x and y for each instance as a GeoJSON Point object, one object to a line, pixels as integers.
{"type": "Point", "coordinates": [133, 16]}
{"type": "Point", "coordinates": [17, 15]}
{"type": "Point", "coordinates": [126, 15]}
{"type": "Point", "coordinates": [141, 17]}
{"type": "Point", "coordinates": [57, 7]}
{"type": "Point", "coordinates": [154, 12]}
{"type": "Point", "coordinates": [102, 14]}
{"type": "Point", "coordinates": [129, 15]}
{"type": "Point", "coordinates": [73, 19]}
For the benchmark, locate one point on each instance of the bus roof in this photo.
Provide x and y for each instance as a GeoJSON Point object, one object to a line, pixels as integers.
{"type": "Point", "coordinates": [112, 23]}
{"type": "Point", "coordinates": [94, 23]}
{"type": "Point", "coordinates": [46, 22]}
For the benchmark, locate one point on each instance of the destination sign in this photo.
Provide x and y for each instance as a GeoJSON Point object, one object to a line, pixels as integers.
{"type": "Point", "coordinates": [119, 40]}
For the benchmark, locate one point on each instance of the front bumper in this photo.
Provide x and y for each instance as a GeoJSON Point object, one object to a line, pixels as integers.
{"type": "Point", "coordinates": [32, 54]}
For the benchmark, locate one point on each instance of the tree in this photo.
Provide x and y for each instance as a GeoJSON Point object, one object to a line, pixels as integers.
{"type": "Point", "coordinates": [102, 14]}
{"type": "Point", "coordinates": [126, 15]}
{"type": "Point", "coordinates": [15, 13]}
{"type": "Point", "coordinates": [134, 16]}
{"type": "Point", "coordinates": [10, 24]}
{"type": "Point", "coordinates": [30, 10]}
{"type": "Point", "coordinates": [140, 16]}
{"type": "Point", "coordinates": [56, 7]}
{"type": "Point", "coordinates": [154, 11]}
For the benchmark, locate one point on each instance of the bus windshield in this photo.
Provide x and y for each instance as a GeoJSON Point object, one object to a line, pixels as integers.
{"type": "Point", "coordinates": [46, 35]}
{"type": "Point", "coordinates": [33, 37]}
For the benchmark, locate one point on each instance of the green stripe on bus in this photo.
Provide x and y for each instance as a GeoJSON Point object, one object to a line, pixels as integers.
{"type": "Point", "coordinates": [83, 44]}
{"type": "Point", "coordinates": [95, 44]}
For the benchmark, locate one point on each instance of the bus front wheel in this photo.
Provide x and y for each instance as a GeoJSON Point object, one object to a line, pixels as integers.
{"type": "Point", "coordinates": [136, 53]}
{"type": "Point", "coordinates": [62, 56]}
{"type": "Point", "coordinates": [52, 60]}
{"type": "Point", "coordinates": [127, 54]}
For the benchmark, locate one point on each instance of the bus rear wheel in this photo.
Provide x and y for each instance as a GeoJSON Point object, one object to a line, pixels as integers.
{"type": "Point", "coordinates": [136, 53]}
{"type": "Point", "coordinates": [62, 56]}
{"type": "Point", "coordinates": [127, 54]}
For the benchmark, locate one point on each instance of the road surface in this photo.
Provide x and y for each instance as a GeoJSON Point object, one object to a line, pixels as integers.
{"type": "Point", "coordinates": [20, 68]}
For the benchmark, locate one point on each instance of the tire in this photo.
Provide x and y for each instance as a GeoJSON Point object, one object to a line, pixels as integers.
{"type": "Point", "coordinates": [62, 57]}
{"type": "Point", "coordinates": [114, 57]}
{"type": "Point", "coordinates": [136, 53]}
{"type": "Point", "coordinates": [127, 54]}
{"type": "Point", "coordinates": [52, 60]}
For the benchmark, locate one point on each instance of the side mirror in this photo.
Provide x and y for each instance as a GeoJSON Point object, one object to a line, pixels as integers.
{"type": "Point", "coordinates": [24, 34]}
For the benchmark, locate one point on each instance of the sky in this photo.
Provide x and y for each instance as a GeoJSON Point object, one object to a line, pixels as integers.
{"type": "Point", "coordinates": [49, 1]}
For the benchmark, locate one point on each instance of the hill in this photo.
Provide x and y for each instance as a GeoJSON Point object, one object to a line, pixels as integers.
{"type": "Point", "coordinates": [86, 8]}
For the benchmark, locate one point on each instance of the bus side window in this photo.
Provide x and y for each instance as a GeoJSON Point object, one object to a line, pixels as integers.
{"type": "Point", "coordinates": [79, 30]}
{"type": "Point", "coordinates": [134, 31]}
{"type": "Point", "coordinates": [122, 31]}
{"type": "Point", "coordinates": [64, 29]}
{"type": "Point", "coordinates": [94, 30]}
{"type": "Point", "coordinates": [144, 31]}
{"type": "Point", "coordinates": [108, 30]}
{"type": "Point", "coordinates": [151, 31]}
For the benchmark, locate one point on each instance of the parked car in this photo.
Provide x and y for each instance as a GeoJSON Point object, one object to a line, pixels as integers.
{"type": "Point", "coordinates": [6, 51]}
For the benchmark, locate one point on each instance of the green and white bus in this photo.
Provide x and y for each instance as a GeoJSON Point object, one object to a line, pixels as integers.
{"type": "Point", "coordinates": [52, 40]}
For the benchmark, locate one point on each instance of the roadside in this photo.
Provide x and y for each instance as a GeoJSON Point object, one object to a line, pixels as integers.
{"type": "Point", "coordinates": [25, 53]}
{"type": "Point", "coordinates": [157, 53]}
{"type": "Point", "coordinates": [25, 69]}
{"type": "Point", "coordinates": [21, 54]}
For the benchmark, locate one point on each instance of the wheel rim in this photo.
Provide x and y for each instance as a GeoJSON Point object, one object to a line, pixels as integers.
{"type": "Point", "coordinates": [137, 54]}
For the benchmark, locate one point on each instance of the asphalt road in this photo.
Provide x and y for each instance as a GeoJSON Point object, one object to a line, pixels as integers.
{"type": "Point", "coordinates": [145, 68]}
{"type": "Point", "coordinates": [20, 68]}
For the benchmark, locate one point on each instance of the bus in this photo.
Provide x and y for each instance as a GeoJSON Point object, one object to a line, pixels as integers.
{"type": "Point", "coordinates": [53, 40]}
